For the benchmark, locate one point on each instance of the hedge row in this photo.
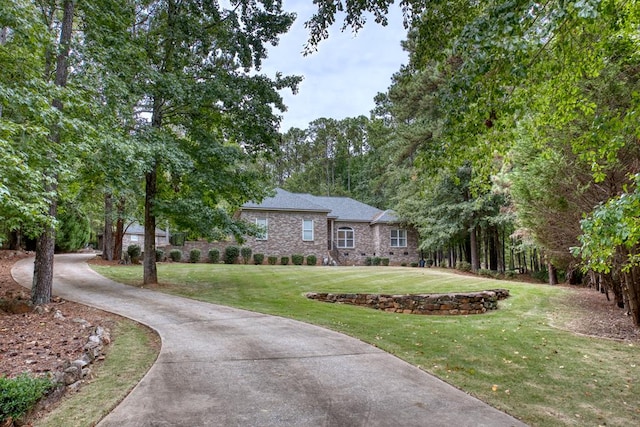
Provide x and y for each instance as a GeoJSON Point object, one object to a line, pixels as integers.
{"type": "Point", "coordinates": [232, 254]}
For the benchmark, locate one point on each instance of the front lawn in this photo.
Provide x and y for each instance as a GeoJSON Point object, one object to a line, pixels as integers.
{"type": "Point", "coordinates": [511, 358]}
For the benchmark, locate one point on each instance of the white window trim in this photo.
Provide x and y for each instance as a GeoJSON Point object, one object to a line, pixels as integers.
{"type": "Point", "coordinates": [135, 238]}
{"type": "Point", "coordinates": [259, 223]}
{"type": "Point", "coordinates": [312, 230]}
{"type": "Point", "coordinates": [353, 238]}
{"type": "Point", "coordinates": [398, 238]}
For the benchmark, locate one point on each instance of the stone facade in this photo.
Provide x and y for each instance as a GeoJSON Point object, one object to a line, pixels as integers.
{"type": "Point", "coordinates": [443, 304]}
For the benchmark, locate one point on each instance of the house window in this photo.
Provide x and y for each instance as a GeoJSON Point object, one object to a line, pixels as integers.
{"type": "Point", "coordinates": [134, 237]}
{"type": "Point", "coordinates": [307, 230]}
{"type": "Point", "coordinates": [345, 237]}
{"type": "Point", "coordinates": [263, 224]}
{"type": "Point", "coordinates": [398, 238]}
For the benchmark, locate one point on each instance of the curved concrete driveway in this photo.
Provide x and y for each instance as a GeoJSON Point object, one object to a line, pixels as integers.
{"type": "Point", "coordinates": [220, 366]}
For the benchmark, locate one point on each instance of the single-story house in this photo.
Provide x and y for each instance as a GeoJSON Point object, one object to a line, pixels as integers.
{"type": "Point", "coordinates": [337, 229]}
{"type": "Point", "coordinates": [134, 235]}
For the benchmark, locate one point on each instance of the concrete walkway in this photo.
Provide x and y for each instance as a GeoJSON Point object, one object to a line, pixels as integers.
{"type": "Point", "coordinates": [220, 366]}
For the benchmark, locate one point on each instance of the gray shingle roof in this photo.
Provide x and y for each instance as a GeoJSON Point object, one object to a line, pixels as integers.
{"type": "Point", "coordinates": [386, 216]}
{"type": "Point", "coordinates": [339, 208]}
{"type": "Point", "coordinates": [345, 208]}
{"type": "Point", "coordinates": [286, 201]}
{"type": "Point", "coordinates": [137, 228]}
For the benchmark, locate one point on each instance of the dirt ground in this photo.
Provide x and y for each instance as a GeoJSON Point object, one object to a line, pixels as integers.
{"type": "Point", "coordinates": [41, 341]}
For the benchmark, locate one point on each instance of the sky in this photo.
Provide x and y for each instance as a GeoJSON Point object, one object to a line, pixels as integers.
{"type": "Point", "coordinates": [344, 75]}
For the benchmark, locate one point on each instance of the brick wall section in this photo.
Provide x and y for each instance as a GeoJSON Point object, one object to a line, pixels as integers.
{"type": "Point", "coordinates": [127, 240]}
{"type": "Point", "coordinates": [284, 234]}
{"type": "Point", "coordinates": [442, 304]}
{"type": "Point", "coordinates": [396, 255]}
{"type": "Point", "coordinates": [363, 243]}
{"type": "Point", "coordinates": [375, 241]}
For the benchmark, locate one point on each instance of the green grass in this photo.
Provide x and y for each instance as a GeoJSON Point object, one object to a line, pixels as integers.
{"type": "Point", "coordinates": [129, 357]}
{"type": "Point", "coordinates": [511, 358]}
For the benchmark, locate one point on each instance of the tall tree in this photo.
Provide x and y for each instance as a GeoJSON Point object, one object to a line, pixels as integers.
{"type": "Point", "coordinates": [45, 244]}
{"type": "Point", "coordinates": [209, 115]}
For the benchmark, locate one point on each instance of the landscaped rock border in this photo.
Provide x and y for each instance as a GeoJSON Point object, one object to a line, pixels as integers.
{"type": "Point", "coordinates": [444, 304]}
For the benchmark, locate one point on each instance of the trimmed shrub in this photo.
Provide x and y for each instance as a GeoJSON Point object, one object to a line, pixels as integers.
{"type": "Point", "coordinates": [375, 260]}
{"type": "Point", "coordinates": [258, 259]}
{"type": "Point", "coordinates": [159, 255]}
{"type": "Point", "coordinates": [214, 255]}
{"type": "Point", "coordinates": [297, 259]}
{"type": "Point", "coordinates": [134, 253]}
{"type": "Point", "coordinates": [18, 395]}
{"type": "Point", "coordinates": [272, 260]}
{"type": "Point", "coordinates": [284, 260]}
{"type": "Point", "coordinates": [463, 266]}
{"type": "Point", "coordinates": [194, 255]}
{"type": "Point", "coordinates": [414, 264]}
{"type": "Point", "coordinates": [175, 255]}
{"type": "Point", "coordinates": [246, 251]}
{"type": "Point", "coordinates": [368, 261]}
{"type": "Point", "coordinates": [384, 261]}
{"type": "Point", "coordinates": [312, 260]}
{"type": "Point", "coordinates": [231, 254]}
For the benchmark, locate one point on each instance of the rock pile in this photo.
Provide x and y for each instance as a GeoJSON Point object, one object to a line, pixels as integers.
{"type": "Point", "coordinates": [443, 304]}
{"type": "Point", "coordinates": [74, 372]}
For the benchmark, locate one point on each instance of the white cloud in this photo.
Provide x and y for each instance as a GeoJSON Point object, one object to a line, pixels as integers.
{"type": "Point", "coordinates": [343, 76]}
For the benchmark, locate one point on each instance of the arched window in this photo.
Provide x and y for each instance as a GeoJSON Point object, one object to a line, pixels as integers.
{"type": "Point", "coordinates": [345, 237]}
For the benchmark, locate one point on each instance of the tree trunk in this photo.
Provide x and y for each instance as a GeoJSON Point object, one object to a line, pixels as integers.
{"type": "Point", "coordinates": [493, 248]}
{"type": "Point", "coordinates": [475, 260]}
{"type": "Point", "coordinates": [633, 294]}
{"type": "Point", "coordinates": [149, 261]}
{"type": "Point", "coordinates": [42, 286]}
{"type": "Point", "coordinates": [117, 246]}
{"type": "Point", "coordinates": [43, 266]}
{"type": "Point", "coordinates": [553, 274]}
{"type": "Point", "coordinates": [107, 237]}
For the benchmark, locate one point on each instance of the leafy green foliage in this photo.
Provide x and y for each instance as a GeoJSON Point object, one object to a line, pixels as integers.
{"type": "Point", "coordinates": [18, 395]}
{"type": "Point", "coordinates": [297, 259]}
{"type": "Point", "coordinates": [175, 255]}
{"type": "Point", "coordinates": [284, 260]}
{"type": "Point", "coordinates": [231, 254]}
{"type": "Point", "coordinates": [159, 255]}
{"type": "Point", "coordinates": [194, 255]}
{"type": "Point", "coordinates": [134, 252]}
{"type": "Point", "coordinates": [272, 260]}
{"type": "Point", "coordinates": [312, 260]}
{"type": "Point", "coordinates": [463, 266]}
{"type": "Point", "coordinates": [214, 255]}
{"type": "Point", "coordinates": [258, 259]}
{"type": "Point", "coordinates": [246, 252]}
{"type": "Point", "coordinates": [74, 229]}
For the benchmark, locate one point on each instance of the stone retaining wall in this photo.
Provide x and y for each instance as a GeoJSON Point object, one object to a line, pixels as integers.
{"type": "Point", "coordinates": [443, 304]}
